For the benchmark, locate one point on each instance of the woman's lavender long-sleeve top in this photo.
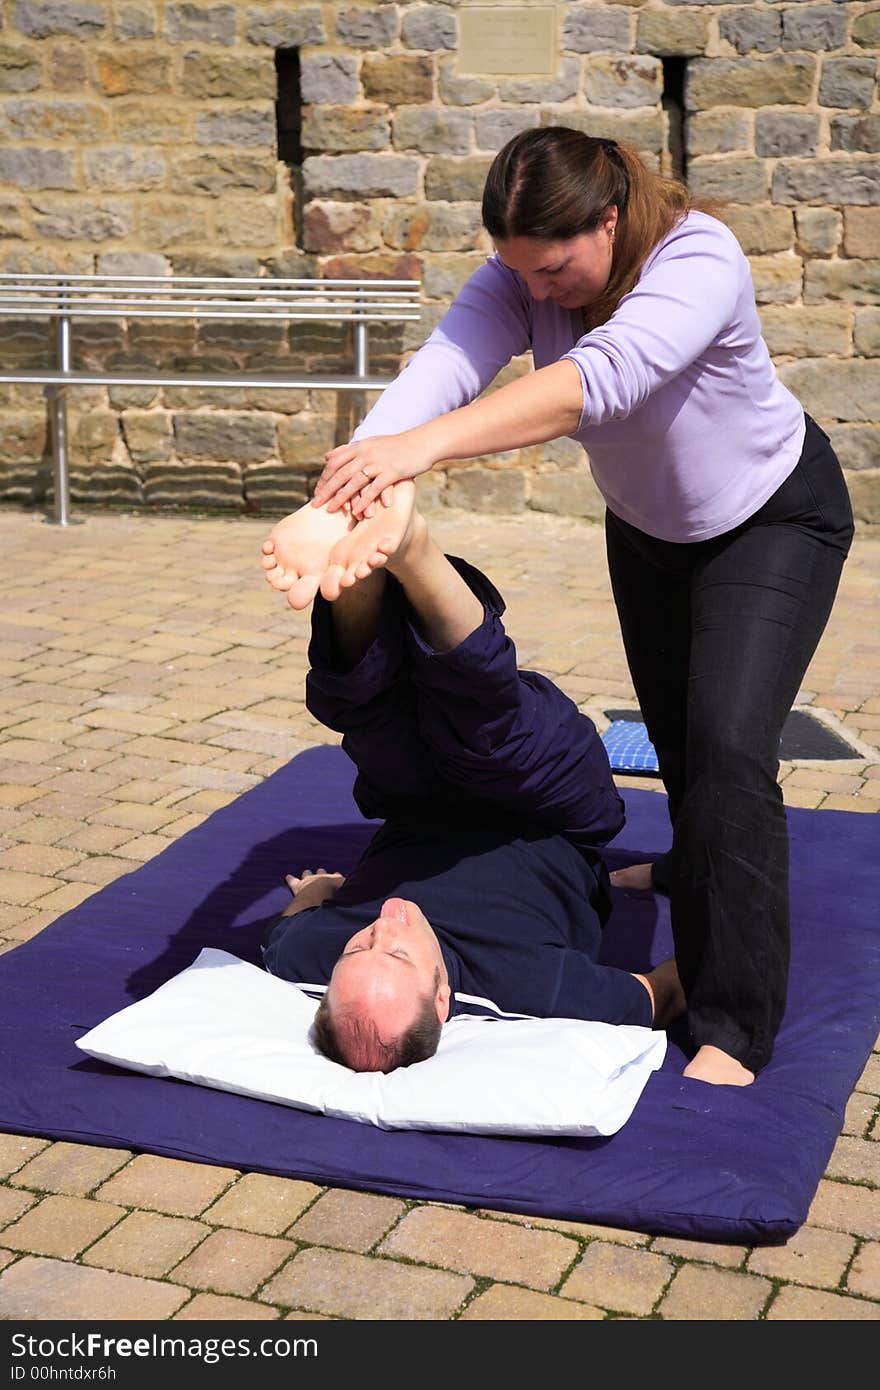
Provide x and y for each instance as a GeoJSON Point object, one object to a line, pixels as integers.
{"type": "Point", "coordinates": [688, 428]}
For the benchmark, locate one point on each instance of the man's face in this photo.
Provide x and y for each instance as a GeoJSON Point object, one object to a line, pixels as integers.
{"type": "Point", "coordinates": [387, 968]}
{"type": "Point", "coordinates": [573, 272]}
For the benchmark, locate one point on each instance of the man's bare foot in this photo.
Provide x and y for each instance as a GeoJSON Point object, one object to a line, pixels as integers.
{"type": "Point", "coordinates": [375, 541]}
{"type": "Point", "coordinates": [297, 551]}
{"type": "Point", "coordinates": [718, 1068]}
{"type": "Point", "coordinates": [636, 876]}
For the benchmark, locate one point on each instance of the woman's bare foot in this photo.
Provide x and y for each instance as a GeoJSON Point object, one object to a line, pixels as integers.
{"type": "Point", "coordinates": [636, 876]}
{"type": "Point", "coordinates": [718, 1068]}
{"type": "Point", "coordinates": [375, 541]}
{"type": "Point", "coordinates": [297, 551]}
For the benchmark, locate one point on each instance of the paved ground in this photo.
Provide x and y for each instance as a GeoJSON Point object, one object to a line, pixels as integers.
{"type": "Point", "coordinates": [147, 677]}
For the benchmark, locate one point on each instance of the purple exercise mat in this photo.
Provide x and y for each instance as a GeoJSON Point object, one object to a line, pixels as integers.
{"type": "Point", "coordinates": [712, 1163]}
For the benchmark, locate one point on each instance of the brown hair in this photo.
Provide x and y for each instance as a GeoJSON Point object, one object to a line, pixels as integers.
{"type": "Point", "coordinates": [555, 183]}
{"type": "Point", "coordinates": [353, 1040]}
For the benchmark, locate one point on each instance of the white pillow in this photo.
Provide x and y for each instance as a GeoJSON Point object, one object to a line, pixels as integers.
{"type": "Point", "coordinates": [230, 1025]}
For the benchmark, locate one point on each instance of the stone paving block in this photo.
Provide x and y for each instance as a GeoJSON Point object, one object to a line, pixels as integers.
{"type": "Point", "coordinates": [471, 1245]}
{"type": "Point", "coordinates": [730, 1256]}
{"type": "Point", "coordinates": [859, 1114]}
{"type": "Point", "coordinates": [212, 1307]}
{"type": "Point", "coordinates": [16, 1150]}
{"type": "Point", "coordinates": [840, 1206]}
{"type": "Point", "coordinates": [68, 896]}
{"type": "Point", "coordinates": [347, 1220]}
{"type": "Point", "coordinates": [506, 1303]}
{"type": "Point", "coordinates": [793, 1304]}
{"type": "Point", "coordinates": [98, 869]}
{"type": "Point", "coordinates": [13, 1205]}
{"type": "Point", "coordinates": [22, 888]}
{"type": "Point", "coordinates": [26, 774]}
{"type": "Point", "coordinates": [146, 1244]}
{"type": "Point", "coordinates": [243, 761]}
{"type": "Point", "coordinates": [139, 769]}
{"type": "Point", "coordinates": [361, 1287]}
{"type": "Point", "coordinates": [41, 859]}
{"type": "Point", "coordinates": [145, 790]}
{"type": "Point", "coordinates": [43, 830]}
{"type": "Point", "coordinates": [700, 1294]}
{"type": "Point", "coordinates": [36, 1289]}
{"type": "Point", "coordinates": [170, 749]}
{"type": "Point", "coordinates": [129, 815]}
{"type": "Point", "coordinates": [810, 1256]}
{"type": "Point", "coordinates": [619, 1279]}
{"type": "Point", "coordinates": [167, 1184]}
{"type": "Point", "coordinates": [7, 1257]}
{"type": "Point", "coordinates": [68, 804]}
{"type": "Point", "coordinates": [234, 1262]}
{"type": "Point", "coordinates": [96, 784]}
{"type": "Point", "coordinates": [28, 922]}
{"type": "Point", "coordinates": [838, 802]}
{"type": "Point", "coordinates": [71, 1169]}
{"type": "Point", "coordinates": [125, 721]}
{"type": "Point", "coordinates": [864, 1273]}
{"type": "Point", "coordinates": [855, 1159]}
{"type": "Point", "coordinates": [870, 1077]}
{"type": "Point", "coordinates": [61, 1226]}
{"type": "Point", "coordinates": [263, 1204]}
{"type": "Point", "coordinates": [808, 798]}
{"type": "Point", "coordinates": [826, 781]}
{"type": "Point", "coordinates": [97, 839]}
{"type": "Point", "coordinates": [43, 731]}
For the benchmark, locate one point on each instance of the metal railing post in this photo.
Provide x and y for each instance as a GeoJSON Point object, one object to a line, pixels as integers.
{"type": "Point", "coordinates": [361, 349]}
{"type": "Point", "coordinates": [58, 422]}
{"type": "Point", "coordinates": [361, 363]}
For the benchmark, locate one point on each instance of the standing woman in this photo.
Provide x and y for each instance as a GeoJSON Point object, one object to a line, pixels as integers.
{"type": "Point", "coordinates": [727, 523]}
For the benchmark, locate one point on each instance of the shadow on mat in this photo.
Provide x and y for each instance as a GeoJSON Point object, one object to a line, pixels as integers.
{"type": "Point", "coordinates": [234, 913]}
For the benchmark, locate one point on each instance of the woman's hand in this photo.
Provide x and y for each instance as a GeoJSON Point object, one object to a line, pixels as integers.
{"type": "Point", "coordinates": [365, 471]}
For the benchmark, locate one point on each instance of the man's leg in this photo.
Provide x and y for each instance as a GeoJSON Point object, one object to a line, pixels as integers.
{"type": "Point", "coordinates": [500, 735]}
{"type": "Point", "coordinates": [358, 682]}
{"type": "Point", "coordinates": [480, 728]}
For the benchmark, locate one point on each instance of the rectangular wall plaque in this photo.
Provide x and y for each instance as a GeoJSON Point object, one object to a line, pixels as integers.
{"type": "Point", "coordinates": [504, 40]}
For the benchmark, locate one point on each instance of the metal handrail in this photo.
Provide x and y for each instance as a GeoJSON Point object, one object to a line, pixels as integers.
{"type": "Point", "coordinates": [294, 300]}
{"type": "Point", "coordinates": [64, 297]}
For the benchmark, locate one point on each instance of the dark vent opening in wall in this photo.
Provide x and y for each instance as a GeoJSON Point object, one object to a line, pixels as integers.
{"type": "Point", "coordinates": [288, 106]}
{"type": "Point", "coordinates": [288, 126]}
{"type": "Point", "coordinates": [674, 70]}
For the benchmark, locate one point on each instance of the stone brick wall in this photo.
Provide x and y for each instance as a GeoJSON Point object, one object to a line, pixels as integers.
{"type": "Point", "coordinates": [139, 137]}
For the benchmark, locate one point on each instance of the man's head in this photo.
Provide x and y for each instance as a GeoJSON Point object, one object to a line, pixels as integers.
{"type": "Point", "coordinates": [388, 995]}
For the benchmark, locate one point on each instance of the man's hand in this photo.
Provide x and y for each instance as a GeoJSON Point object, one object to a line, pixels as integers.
{"type": "Point", "coordinates": [312, 887]}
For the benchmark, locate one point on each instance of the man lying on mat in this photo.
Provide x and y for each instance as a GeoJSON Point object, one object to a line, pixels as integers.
{"type": "Point", "coordinates": [495, 791]}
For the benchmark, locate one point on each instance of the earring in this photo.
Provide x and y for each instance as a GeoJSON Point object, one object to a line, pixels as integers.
{"type": "Point", "coordinates": [611, 233]}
